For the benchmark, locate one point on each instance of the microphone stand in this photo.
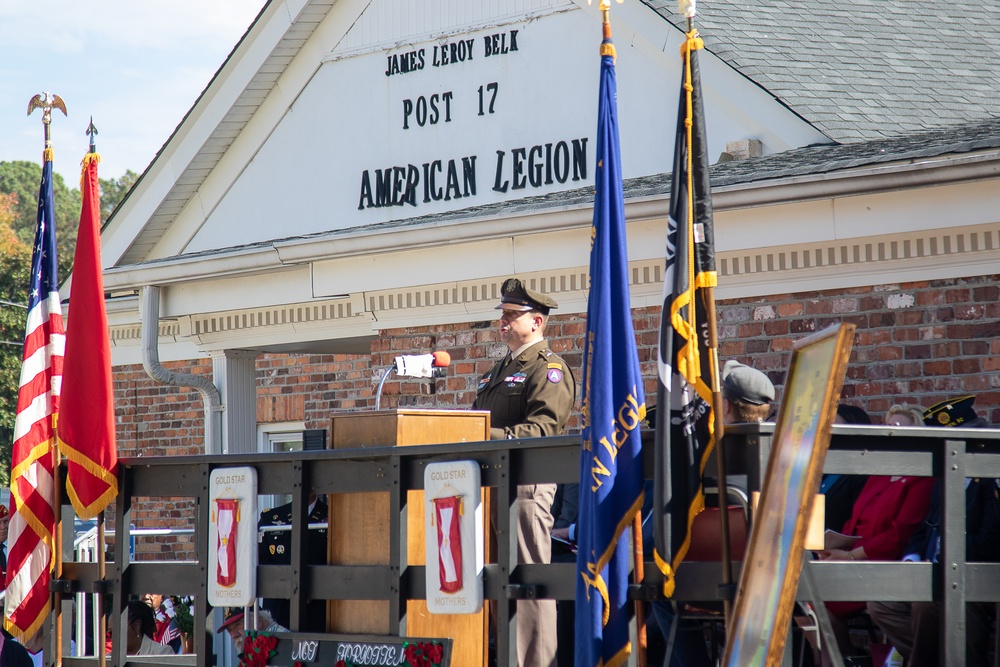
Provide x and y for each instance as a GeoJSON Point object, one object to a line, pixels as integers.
{"type": "Point", "coordinates": [378, 393]}
{"type": "Point", "coordinates": [436, 372]}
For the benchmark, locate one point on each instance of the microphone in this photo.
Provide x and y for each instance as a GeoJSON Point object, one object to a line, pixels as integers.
{"type": "Point", "coordinates": [422, 365]}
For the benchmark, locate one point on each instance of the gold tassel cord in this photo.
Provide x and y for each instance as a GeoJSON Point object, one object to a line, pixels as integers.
{"type": "Point", "coordinates": [693, 43]}
{"type": "Point", "coordinates": [607, 47]}
{"type": "Point", "coordinates": [87, 160]}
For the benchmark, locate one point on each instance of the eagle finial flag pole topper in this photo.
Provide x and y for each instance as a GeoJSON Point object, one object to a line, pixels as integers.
{"type": "Point", "coordinates": [47, 102]}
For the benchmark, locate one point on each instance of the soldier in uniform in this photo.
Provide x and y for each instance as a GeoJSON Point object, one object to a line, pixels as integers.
{"type": "Point", "coordinates": [275, 548]}
{"type": "Point", "coordinates": [529, 394]}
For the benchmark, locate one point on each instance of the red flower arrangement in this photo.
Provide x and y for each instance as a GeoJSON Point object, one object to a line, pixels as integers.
{"type": "Point", "coordinates": [257, 648]}
{"type": "Point", "coordinates": [423, 654]}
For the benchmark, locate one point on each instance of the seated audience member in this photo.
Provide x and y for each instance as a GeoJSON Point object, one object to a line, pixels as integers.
{"type": "Point", "coordinates": [565, 506]}
{"type": "Point", "coordinates": [885, 516]}
{"type": "Point", "coordinates": [233, 623]}
{"type": "Point", "coordinates": [747, 395]}
{"type": "Point", "coordinates": [904, 414]}
{"type": "Point", "coordinates": [914, 628]}
{"type": "Point", "coordinates": [167, 632]}
{"type": "Point", "coordinates": [842, 491]}
{"type": "Point", "coordinates": [141, 626]}
{"type": "Point", "coordinates": [13, 654]}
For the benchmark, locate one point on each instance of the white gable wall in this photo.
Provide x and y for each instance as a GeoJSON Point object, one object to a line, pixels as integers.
{"type": "Point", "coordinates": [306, 175]}
{"type": "Point", "coordinates": [251, 212]}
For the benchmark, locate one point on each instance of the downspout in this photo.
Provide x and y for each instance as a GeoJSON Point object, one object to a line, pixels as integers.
{"type": "Point", "coordinates": [151, 363]}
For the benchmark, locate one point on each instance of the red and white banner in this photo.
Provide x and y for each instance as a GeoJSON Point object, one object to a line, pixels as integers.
{"type": "Point", "coordinates": [453, 528]}
{"type": "Point", "coordinates": [232, 534]}
{"type": "Point", "coordinates": [228, 521]}
{"type": "Point", "coordinates": [447, 512]}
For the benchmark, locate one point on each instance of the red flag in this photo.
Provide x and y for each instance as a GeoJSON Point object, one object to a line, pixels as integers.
{"type": "Point", "coordinates": [32, 491]}
{"type": "Point", "coordinates": [87, 415]}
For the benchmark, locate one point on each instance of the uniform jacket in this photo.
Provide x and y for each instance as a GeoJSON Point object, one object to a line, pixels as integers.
{"type": "Point", "coordinates": [982, 523]}
{"type": "Point", "coordinates": [275, 548]}
{"type": "Point", "coordinates": [531, 396]}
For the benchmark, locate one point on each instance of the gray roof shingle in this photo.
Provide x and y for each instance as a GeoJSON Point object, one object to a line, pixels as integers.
{"type": "Point", "coordinates": [894, 66]}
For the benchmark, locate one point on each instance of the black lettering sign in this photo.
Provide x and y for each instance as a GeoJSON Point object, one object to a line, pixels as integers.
{"type": "Point", "coordinates": [499, 44]}
{"type": "Point", "coordinates": [399, 185]}
{"type": "Point", "coordinates": [427, 110]}
{"type": "Point", "coordinates": [316, 650]}
{"type": "Point", "coordinates": [403, 63]}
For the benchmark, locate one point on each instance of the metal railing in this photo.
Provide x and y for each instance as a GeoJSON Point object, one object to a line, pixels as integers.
{"type": "Point", "coordinates": [951, 455]}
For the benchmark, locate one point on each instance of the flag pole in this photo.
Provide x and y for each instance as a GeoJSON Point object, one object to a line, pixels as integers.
{"type": "Point", "coordinates": [719, 425]}
{"type": "Point", "coordinates": [638, 574]}
{"type": "Point", "coordinates": [46, 103]}
{"type": "Point", "coordinates": [102, 622]}
{"type": "Point", "coordinates": [638, 570]}
{"type": "Point", "coordinates": [720, 458]}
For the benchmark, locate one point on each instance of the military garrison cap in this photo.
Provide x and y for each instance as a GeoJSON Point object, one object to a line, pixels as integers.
{"type": "Point", "coordinates": [952, 412]}
{"type": "Point", "coordinates": [516, 296]}
{"type": "Point", "coordinates": [747, 384]}
{"type": "Point", "coordinates": [229, 616]}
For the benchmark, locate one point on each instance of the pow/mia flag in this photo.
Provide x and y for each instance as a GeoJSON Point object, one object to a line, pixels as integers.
{"type": "Point", "coordinates": [684, 420]}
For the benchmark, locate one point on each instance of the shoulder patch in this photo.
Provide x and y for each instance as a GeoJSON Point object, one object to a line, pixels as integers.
{"type": "Point", "coordinates": [554, 375]}
{"type": "Point", "coordinates": [554, 365]}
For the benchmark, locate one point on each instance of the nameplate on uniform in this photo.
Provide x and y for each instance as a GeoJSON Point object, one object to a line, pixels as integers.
{"type": "Point", "coordinates": [295, 648]}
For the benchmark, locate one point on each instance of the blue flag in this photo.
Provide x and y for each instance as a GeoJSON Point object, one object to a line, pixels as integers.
{"type": "Point", "coordinates": [611, 484]}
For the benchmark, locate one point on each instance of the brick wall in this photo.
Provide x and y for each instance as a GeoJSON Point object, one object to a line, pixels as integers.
{"type": "Point", "coordinates": [918, 342]}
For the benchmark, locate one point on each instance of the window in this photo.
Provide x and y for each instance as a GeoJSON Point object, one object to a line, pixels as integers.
{"type": "Point", "coordinates": [278, 437]}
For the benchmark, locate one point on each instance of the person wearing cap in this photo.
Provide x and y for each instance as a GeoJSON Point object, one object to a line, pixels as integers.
{"type": "Point", "coordinates": [233, 623]}
{"type": "Point", "coordinates": [529, 394]}
{"type": "Point", "coordinates": [747, 394]}
{"type": "Point", "coordinates": [914, 627]}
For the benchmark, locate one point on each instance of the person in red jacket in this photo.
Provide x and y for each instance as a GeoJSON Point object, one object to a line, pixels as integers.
{"type": "Point", "coordinates": [886, 514]}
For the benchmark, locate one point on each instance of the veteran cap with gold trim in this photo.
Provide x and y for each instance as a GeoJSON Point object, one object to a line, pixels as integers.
{"type": "Point", "coordinates": [229, 616]}
{"type": "Point", "coordinates": [515, 295]}
{"type": "Point", "coordinates": [951, 412]}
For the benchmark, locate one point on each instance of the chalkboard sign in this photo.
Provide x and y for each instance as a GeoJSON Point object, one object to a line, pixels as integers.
{"type": "Point", "coordinates": [322, 650]}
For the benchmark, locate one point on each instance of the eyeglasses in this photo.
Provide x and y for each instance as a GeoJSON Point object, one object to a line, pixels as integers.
{"type": "Point", "coordinates": [511, 315]}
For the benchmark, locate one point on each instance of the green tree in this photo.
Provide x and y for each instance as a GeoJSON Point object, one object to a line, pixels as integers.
{"type": "Point", "coordinates": [113, 191]}
{"type": "Point", "coordinates": [15, 269]}
{"type": "Point", "coordinates": [23, 179]}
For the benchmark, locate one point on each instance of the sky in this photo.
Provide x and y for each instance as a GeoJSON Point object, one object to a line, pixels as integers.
{"type": "Point", "coordinates": [136, 66]}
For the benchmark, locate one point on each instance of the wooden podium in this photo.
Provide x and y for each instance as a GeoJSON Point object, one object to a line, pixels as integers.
{"type": "Point", "coordinates": [359, 526]}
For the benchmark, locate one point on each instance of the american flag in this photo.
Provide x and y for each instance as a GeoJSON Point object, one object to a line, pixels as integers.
{"type": "Point", "coordinates": [33, 519]}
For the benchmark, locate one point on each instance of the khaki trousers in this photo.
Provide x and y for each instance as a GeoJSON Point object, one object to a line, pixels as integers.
{"type": "Point", "coordinates": [536, 619]}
